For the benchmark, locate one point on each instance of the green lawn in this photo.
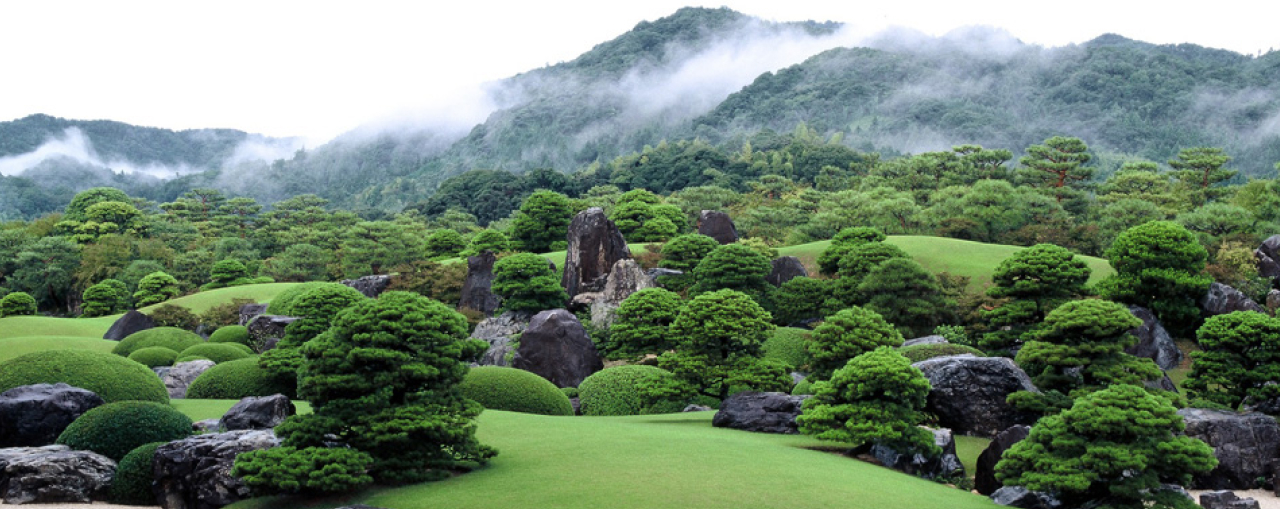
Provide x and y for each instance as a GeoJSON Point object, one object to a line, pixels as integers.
{"type": "Point", "coordinates": [968, 449]}
{"type": "Point", "coordinates": [201, 409]}
{"type": "Point", "coordinates": [201, 302]}
{"type": "Point", "coordinates": [27, 326]}
{"type": "Point", "coordinates": [16, 346]}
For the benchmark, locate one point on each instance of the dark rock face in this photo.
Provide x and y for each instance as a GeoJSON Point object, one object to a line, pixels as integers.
{"type": "Point", "coordinates": [1245, 445]}
{"type": "Point", "coordinates": [267, 330]}
{"type": "Point", "coordinates": [1226, 500]}
{"type": "Point", "coordinates": [943, 466]}
{"type": "Point", "coordinates": [717, 225]}
{"type": "Point", "coordinates": [1268, 257]}
{"type": "Point", "coordinates": [1017, 496]}
{"type": "Point", "coordinates": [1273, 300]}
{"type": "Point", "coordinates": [249, 311]}
{"type": "Point", "coordinates": [595, 244]}
{"type": "Point", "coordinates": [1154, 342]}
{"type": "Point", "coordinates": [984, 479]}
{"type": "Point", "coordinates": [969, 393]}
{"type": "Point", "coordinates": [34, 415]}
{"type": "Point", "coordinates": [180, 376]}
{"type": "Point", "coordinates": [370, 286]}
{"type": "Point", "coordinates": [1223, 299]}
{"type": "Point", "coordinates": [785, 268]}
{"type": "Point", "coordinates": [763, 412]}
{"type": "Point", "coordinates": [131, 322]}
{"type": "Point", "coordinates": [500, 331]}
{"type": "Point", "coordinates": [53, 474]}
{"type": "Point", "coordinates": [195, 473]}
{"type": "Point", "coordinates": [927, 340]}
{"type": "Point", "coordinates": [258, 413]}
{"type": "Point", "coordinates": [477, 289]}
{"type": "Point", "coordinates": [555, 346]}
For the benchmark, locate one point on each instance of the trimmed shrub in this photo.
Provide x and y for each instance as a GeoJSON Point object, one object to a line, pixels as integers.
{"type": "Point", "coordinates": [787, 345]}
{"type": "Point", "coordinates": [620, 391]}
{"type": "Point", "coordinates": [235, 380]}
{"type": "Point", "coordinates": [153, 356]}
{"type": "Point", "coordinates": [918, 353]}
{"type": "Point", "coordinates": [310, 470]}
{"type": "Point", "coordinates": [112, 377]}
{"type": "Point", "coordinates": [237, 334]}
{"type": "Point", "coordinates": [282, 304]}
{"type": "Point", "coordinates": [172, 315]}
{"type": "Point", "coordinates": [217, 352]}
{"type": "Point", "coordinates": [134, 475]}
{"type": "Point", "coordinates": [17, 304]}
{"type": "Point", "coordinates": [114, 429]}
{"type": "Point", "coordinates": [804, 388]}
{"type": "Point", "coordinates": [105, 298]}
{"type": "Point", "coordinates": [172, 338]}
{"type": "Point", "coordinates": [514, 390]}
{"type": "Point", "coordinates": [155, 288]}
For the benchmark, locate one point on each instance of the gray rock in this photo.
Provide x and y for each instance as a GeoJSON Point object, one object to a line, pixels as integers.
{"type": "Point", "coordinates": [250, 311]}
{"type": "Point", "coordinates": [195, 472]}
{"type": "Point", "coordinates": [1245, 445]}
{"type": "Point", "coordinates": [654, 274]}
{"type": "Point", "coordinates": [1273, 301]}
{"type": "Point", "coordinates": [500, 332]}
{"type": "Point", "coordinates": [1018, 496]}
{"type": "Point", "coordinates": [207, 426]}
{"type": "Point", "coordinates": [370, 286]}
{"type": "Point", "coordinates": [717, 225]}
{"type": "Point", "coordinates": [477, 289]}
{"type": "Point", "coordinates": [785, 268]}
{"type": "Point", "coordinates": [266, 330]}
{"type": "Point", "coordinates": [1164, 383]}
{"type": "Point", "coordinates": [1154, 342]}
{"type": "Point", "coordinates": [1223, 499]}
{"type": "Point", "coordinates": [53, 474]}
{"type": "Point", "coordinates": [625, 278]}
{"type": "Point", "coordinates": [697, 408]}
{"type": "Point", "coordinates": [131, 322]}
{"type": "Point", "coordinates": [763, 412]}
{"type": "Point", "coordinates": [180, 376]}
{"type": "Point", "coordinates": [161, 371]}
{"type": "Point", "coordinates": [595, 244]}
{"type": "Point", "coordinates": [1223, 299]}
{"type": "Point", "coordinates": [258, 413]}
{"type": "Point", "coordinates": [34, 415]}
{"type": "Point", "coordinates": [944, 466]}
{"type": "Point", "coordinates": [984, 478]}
{"type": "Point", "coordinates": [927, 340]}
{"type": "Point", "coordinates": [1268, 257]}
{"type": "Point", "coordinates": [969, 393]}
{"type": "Point", "coordinates": [555, 346]}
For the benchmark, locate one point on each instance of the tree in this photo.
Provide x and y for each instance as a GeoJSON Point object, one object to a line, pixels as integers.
{"type": "Point", "coordinates": [1036, 280]}
{"type": "Point", "coordinates": [1201, 167]}
{"type": "Point", "coordinates": [845, 335]}
{"type": "Point", "coordinates": [878, 397]}
{"type": "Point", "coordinates": [643, 324]}
{"type": "Point", "coordinates": [526, 283]}
{"type": "Point", "coordinates": [79, 206]}
{"type": "Point", "coordinates": [226, 272]}
{"type": "Point", "coordinates": [46, 270]}
{"type": "Point", "coordinates": [1056, 165]}
{"type": "Point", "coordinates": [542, 222]}
{"type": "Point", "coordinates": [316, 310]}
{"type": "Point", "coordinates": [1240, 359]}
{"type": "Point", "coordinates": [155, 288]}
{"type": "Point", "coordinates": [488, 240]}
{"type": "Point", "coordinates": [370, 246]}
{"type": "Point", "coordinates": [17, 304]}
{"type": "Point", "coordinates": [732, 267]}
{"type": "Point", "coordinates": [1112, 448]}
{"type": "Point", "coordinates": [804, 298]}
{"type": "Point", "coordinates": [718, 338]}
{"type": "Point", "coordinates": [906, 295]}
{"type": "Point", "coordinates": [843, 242]}
{"type": "Point", "coordinates": [298, 263]}
{"type": "Point", "coordinates": [683, 253]}
{"type": "Point", "coordinates": [444, 243]}
{"type": "Point", "coordinates": [109, 297]}
{"type": "Point", "coordinates": [1160, 266]}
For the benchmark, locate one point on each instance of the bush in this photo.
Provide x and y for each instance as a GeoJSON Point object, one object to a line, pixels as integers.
{"type": "Point", "coordinates": [223, 315]}
{"type": "Point", "coordinates": [153, 356]}
{"type": "Point", "coordinates": [845, 335]}
{"type": "Point", "coordinates": [132, 483]}
{"type": "Point", "coordinates": [878, 397]}
{"type": "Point", "coordinates": [643, 324]}
{"type": "Point", "coordinates": [526, 282]}
{"type": "Point", "coordinates": [172, 315]}
{"type": "Point", "coordinates": [282, 304]}
{"type": "Point", "coordinates": [169, 337]}
{"type": "Point", "coordinates": [112, 377]}
{"type": "Point", "coordinates": [310, 470]}
{"type": "Point", "coordinates": [918, 353]}
{"type": "Point", "coordinates": [788, 346]}
{"type": "Point", "coordinates": [514, 390]}
{"type": "Point", "coordinates": [217, 352]}
{"type": "Point", "coordinates": [114, 429]}
{"type": "Point", "coordinates": [235, 380]}
{"type": "Point", "coordinates": [105, 298]}
{"type": "Point", "coordinates": [804, 388]}
{"type": "Point", "coordinates": [190, 358]}
{"type": "Point", "coordinates": [620, 391]}
{"type": "Point", "coordinates": [155, 288]}
{"type": "Point", "coordinates": [17, 304]}
{"type": "Point", "coordinates": [237, 334]}
{"type": "Point", "coordinates": [488, 240]}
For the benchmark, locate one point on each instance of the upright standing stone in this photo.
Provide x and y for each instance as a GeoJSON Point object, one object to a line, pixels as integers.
{"type": "Point", "coordinates": [595, 244]}
{"type": "Point", "coordinates": [131, 322]}
{"type": "Point", "coordinates": [555, 346]}
{"type": "Point", "coordinates": [477, 289]}
{"type": "Point", "coordinates": [1268, 257]}
{"type": "Point", "coordinates": [1154, 342]}
{"type": "Point", "coordinates": [984, 478]}
{"type": "Point", "coordinates": [717, 225]}
{"type": "Point", "coordinates": [370, 286]}
{"type": "Point", "coordinates": [785, 268]}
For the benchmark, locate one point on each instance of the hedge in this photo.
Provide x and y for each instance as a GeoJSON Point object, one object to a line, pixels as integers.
{"type": "Point", "coordinates": [237, 334]}
{"type": "Point", "coordinates": [619, 391]}
{"type": "Point", "coordinates": [153, 356]}
{"type": "Point", "coordinates": [217, 352]}
{"type": "Point", "coordinates": [235, 380]}
{"type": "Point", "coordinates": [112, 377]}
{"type": "Point", "coordinates": [134, 475]}
{"type": "Point", "coordinates": [172, 338]}
{"type": "Point", "coordinates": [514, 390]}
{"type": "Point", "coordinates": [114, 429]}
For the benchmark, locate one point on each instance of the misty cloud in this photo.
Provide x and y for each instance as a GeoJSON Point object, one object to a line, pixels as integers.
{"type": "Point", "coordinates": [73, 145]}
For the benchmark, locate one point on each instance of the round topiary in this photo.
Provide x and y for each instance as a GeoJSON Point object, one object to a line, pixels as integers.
{"type": "Point", "coordinates": [17, 304]}
{"type": "Point", "coordinates": [282, 304]}
{"type": "Point", "coordinates": [514, 390]}
{"type": "Point", "coordinates": [804, 388]}
{"type": "Point", "coordinates": [619, 391]}
{"type": "Point", "coordinates": [112, 377]}
{"type": "Point", "coordinates": [114, 429]}
{"type": "Point", "coordinates": [153, 356]}
{"type": "Point", "coordinates": [172, 338]}
{"type": "Point", "coordinates": [237, 334]}
{"type": "Point", "coordinates": [787, 345]}
{"type": "Point", "coordinates": [134, 475]}
{"type": "Point", "coordinates": [216, 352]}
{"type": "Point", "coordinates": [918, 353]}
{"type": "Point", "coordinates": [235, 380]}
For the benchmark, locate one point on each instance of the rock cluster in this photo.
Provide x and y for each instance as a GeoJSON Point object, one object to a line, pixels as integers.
{"type": "Point", "coordinates": [501, 333]}
{"type": "Point", "coordinates": [762, 412]}
{"type": "Point", "coordinates": [53, 474]}
{"type": "Point", "coordinates": [195, 473]}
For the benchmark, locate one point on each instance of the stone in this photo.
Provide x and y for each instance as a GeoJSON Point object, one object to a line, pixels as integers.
{"type": "Point", "coordinates": [1273, 301]}
{"type": "Point", "coordinates": [207, 426]}
{"type": "Point", "coordinates": [53, 474]}
{"type": "Point", "coordinates": [263, 412]}
{"type": "Point", "coordinates": [927, 340]}
{"type": "Point", "coordinates": [1164, 383]}
{"type": "Point", "coordinates": [654, 274]}
{"type": "Point", "coordinates": [161, 371]}
{"type": "Point", "coordinates": [477, 288]}
{"type": "Point", "coordinates": [697, 408]}
{"type": "Point", "coordinates": [969, 393]}
{"type": "Point", "coordinates": [625, 278]}
{"type": "Point", "coordinates": [250, 311]}
{"type": "Point", "coordinates": [594, 245]}
{"type": "Point", "coordinates": [717, 225]}
{"type": "Point", "coordinates": [762, 412]}
{"type": "Point", "coordinates": [944, 466]}
{"type": "Point", "coordinates": [1154, 342]}
{"type": "Point", "coordinates": [1245, 445]}
{"type": "Point", "coordinates": [195, 472]}
{"type": "Point", "coordinates": [785, 268]}
{"type": "Point", "coordinates": [266, 330]}
{"type": "Point", "coordinates": [555, 346]}
{"type": "Point", "coordinates": [1223, 499]}
{"type": "Point", "coordinates": [1018, 496]}
{"type": "Point", "coordinates": [131, 322]}
{"type": "Point", "coordinates": [1268, 257]}
{"type": "Point", "coordinates": [500, 332]}
{"type": "Point", "coordinates": [370, 286]}
{"type": "Point", "coordinates": [34, 415]}
{"type": "Point", "coordinates": [359, 506]}
{"type": "Point", "coordinates": [180, 376]}
{"type": "Point", "coordinates": [1223, 299]}
{"type": "Point", "coordinates": [984, 476]}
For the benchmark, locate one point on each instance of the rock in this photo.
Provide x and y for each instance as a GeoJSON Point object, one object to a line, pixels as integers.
{"type": "Point", "coordinates": [161, 371]}
{"type": "Point", "coordinates": [131, 322]}
{"type": "Point", "coordinates": [785, 268]}
{"type": "Point", "coordinates": [267, 330]}
{"type": "Point", "coordinates": [984, 478]}
{"type": "Point", "coordinates": [654, 274]}
{"type": "Point", "coordinates": [595, 244]}
{"type": "Point", "coordinates": [717, 225]}
{"type": "Point", "coordinates": [180, 376]}
{"type": "Point", "coordinates": [969, 393]}
{"type": "Point", "coordinates": [1223, 499]}
{"type": "Point", "coordinates": [34, 415]}
{"type": "Point", "coordinates": [763, 412]}
{"type": "Point", "coordinates": [1273, 301]}
{"type": "Point", "coordinates": [697, 408]}
{"type": "Point", "coordinates": [1164, 383]}
{"type": "Point", "coordinates": [359, 506]}
{"type": "Point", "coordinates": [927, 340]}
{"type": "Point", "coordinates": [945, 466]}
{"type": "Point", "coordinates": [195, 472]}
{"type": "Point", "coordinates": [250, 311]}
{"type": "Point", "coordinates": [1018, 496]}
{"type": "Point", "coordinates": [53, 474]}
{"type": "Point", "coordinates": [1245, 445]}
{"type": "Point", "coordinates": [556, 347]}
{"type": "Point", "coordinates": [370, 286]}
{"type": "Point", "coordinates": [797, 377]}
{"type": "Point", "coordinates": [477, 289]}
{"type": "Point", "coordinates": [1268, 257]}
{"type": "Point", "coordinates": [625, 278]}
{"type": "Point", "coordinates": [1154, 342]}
{"type": "Point", "coordinates": [500, 332]}
{"type": "Point", "coordinates": [1223, 299]}
{"type": "Point", "coordinates": [258, 413]}
{"type": "Point", "coordinates": [207, 426]}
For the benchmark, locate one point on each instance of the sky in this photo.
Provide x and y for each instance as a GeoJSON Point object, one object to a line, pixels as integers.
{"type": "Point", "coordinates": [316, 69]}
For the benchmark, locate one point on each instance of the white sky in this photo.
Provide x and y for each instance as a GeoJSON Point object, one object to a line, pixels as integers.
{"type": "Point", "coordinates": [317, 69]}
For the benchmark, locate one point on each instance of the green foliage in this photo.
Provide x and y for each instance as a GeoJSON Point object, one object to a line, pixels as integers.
{"type": "Point", "coordinates": [622, 390]}
{"type": "Point", "coordinates": [643, 324]}
{"type": "Point", "coordinates": [526, 282]}
{"type": "Point", "coordinates": [155, 288]}
{"type": "Point", "coordinates": [878, 397]}
{"type": "Point", "coordinates": [238, 334]}
{"type": "Point", "coordinates": [955, 334]}
{"type": "Point", "coordinates": [17, 304]}
{"type": "Point", "coordinates": [1159, 265]}
{"type": "Point", "coordinates": [856, 263]}
{"type": "Point", "coordinates": [1036, 280]}
{"type": "Point", "coordinates": [788, 346]}
{"type": "Point", "coordinates": [719, 336]}
{"type": "Point", "coordinates": [217, 352]}
{"type": "Point", "coordinates": [282, 304]}
{"type": "Point", "coordinates": [844, 241]}
{"type": "Point", "coordinates": [683, 253]}
{"type": "Point", "coordinates": [760, 246]}
{"type": "Point", "coordinates": [225, 272]}
{"type": "Point", "coordinates": [804, 388]}
{"type": "Point", "coordinates": [732, 267]}
{"type": "Point", "coordinates": [313, 470]}
{"type": "Point", "coordinates": [1057, 166]}
{"type": "Point", "coordinates": [372, 247]}
{"type": "Point", "coordinates": [1240, 359]}
{"type": "Point", "coordinates": [436, 280]}
{"type": "Point", "coordinates": [169, 337]}
{"type": "Point", "coordinates": [153, 356]}
{"type": "Point", "coordinates": [444, 243]}
{"type": "Point", "coordinates": [236, 380]}
{"type": "Point", "coordinates": [905, 295]}
{"type": "Point", "coordinates": [845, 335]}
{"type": "Point", "coordinates": [804, 298]}
{"type": "Point", "coordinates": [297, 263]}
{"type": "Point", "coordinates": [174, 316]}
{"type": "Point", "coordinates": [134, 475]}
{"type": "Point", "coordinates": [316, 309]}
{"type": "Point", "coordinates": [543, 220]}
{"type": "Point", "coordinates": [514, 390]}
{"type": "Point", "coordinates": [917, 353]}
{"type": "Point", "coordinates": [114, 429]}
{"type": "Point", "coordinates": [112, 377]}
{"type": "Point", "coordinates": [108, 297]}
{"type": "Point", "coordinates": [488, 240]}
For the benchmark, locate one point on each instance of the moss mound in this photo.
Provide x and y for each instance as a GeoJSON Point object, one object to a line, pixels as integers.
{"type": "Point", "coordinates": [618, 391]}
{"type": "Point", "coordinates": [237, 334]}
{"type": "Point", "coordinates": [153, 356]}
{"type": "Point", "coordinates": [172, 338]}
{"type": "Point", "coordinates": [217, 352]}
{"type": "Point", "coordinates": [235, 380]}
{"type": "Point", "coordinates": [787, 345]}
{"type": "Point", "coordinates": [918, 353]}
{"type": "Point", "coordinates": [114, 429]}
{"type": "Point", "coordinates": [112, 377]}
{"type": "Point", "coordinates": [514, 390]}
{"type": "Point", "coordinates": [134, 475]}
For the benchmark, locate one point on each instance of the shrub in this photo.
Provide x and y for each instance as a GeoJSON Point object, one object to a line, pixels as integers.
{"type": "Point", "coordinates": [155, 288]}
{"type": "Point", "coordinates": [225, 272]}
{"type": "Point", "coordinates": [237, 334]}
{"type": "Point", "coordinates": [17, 304]}
{"type": "Point", "coordinates": [153, 356]}
{"type": "Point", "coordinates": [643, 324]}
{"type": "Point", "coordinates": [444, 243]}
{"type": "Point", "coordinates": [804, 388]}
{"type": "Point", "coordinates": [217, 352]}
{"type": "Point", "coordinates": [569, 392]}
{"type": "Point", "coordinates": [105, 298]}
{"type": "Point", "coordinates": [845, 335]}
{"type": "Point", "coordinates": [282, 304]}
{"type": "Point", "coordinates": [112, 377]}
{"type": "Point", "coordinates": [114, 429]}
{"type": "Point", "coordinates": [732, 267]}
{"type": "Point", "coordinates": [917, 353]}
{"type": "Point", "coordinates": [235, 380]}
{"type": "Point", "coordinates": [621, 391]}
{"type": "Point", "coordinates": [169, 337]}
{"type": "Point", "coordinates": [878, 397]}
{"type": "Point", "coordinates": [134, 475]}
{"type": "Point", "coordinates": [804, 298]}
{"type": "Point", "coordinates": [788, 346]}
{"type": "Point", "coordinates": [488, 240]}
{"type": "Point", "coordinates": [526, 282]}
{"type": "Point", "coordinates": [514, 390]}
{"type": "Point", "coordinates": [223, 315]}
{"type": "Point", "coordinates": [683, 254]}
{"type": "Point", "coordinates": [172, 315]}
{"type": "Point", "coordinates": [310, 470]}
{"type": "Point", "coordinates": [189, 358]}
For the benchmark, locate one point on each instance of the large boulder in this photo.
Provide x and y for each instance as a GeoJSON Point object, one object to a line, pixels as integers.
{"type": "Point", "coordinates": [34, 415]}
{"type": "Point", "coordinates": [1223, 299]}
{"type": "Point", "coordinates": [131, 322]}
{"type": "Point", "coordinates": [195, 472]}
{"type": "Point", "coordinates": [1245, 445]}
{"type": "Point", "coordinates": [370, 286]}
{"type": "Point", "coordinates": [250, 311]}
{"type": "Point", "coordinates": [556, 347]}
{"type": "Point", "coordinates": [595, 244]}
{"type": "Point", "coordinates": [266, 330]}
{"type": "Point", "coordinates": [944, 466]}
{"type": "Point", "coordinates": [1018, 496]}
{"type": "Point", "coordinates": [53, 474]}
{"type": "Point", "coordinates": [625, 278]}
{"type": "Point", "coordinates": [180, 376]}
{"type": "Point", "coordinates": [1268, 257]}
{"type": "Point", "coordinates": [785, 268]}
{"type": "Point", "coordinates": [264, 412]}
{"type": "Point", "coordinates": [717, 225]}
{"type": "Point", "coordinates": [763, 412]}
{"type": "Point", "coordinates": [1154, 342]}
{"type": "Point", "coordinates": [984, 478]}
{"type": "Point", "coordinates": [969, 393]}
{"type": "Point", "coordinates": [1223, 499]}
{"type": "Point", "coordinates": [477, 289]}
{"type": "Point", "coordinates": [500, 332]}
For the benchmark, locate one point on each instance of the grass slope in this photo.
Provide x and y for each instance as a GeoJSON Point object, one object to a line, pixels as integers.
{"type": "Point", "coordinates": [16, 346]}
{"type": "Point", "coordinates": [201, 409]}
{"type": "Point", "coordinates": [201, 302]}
